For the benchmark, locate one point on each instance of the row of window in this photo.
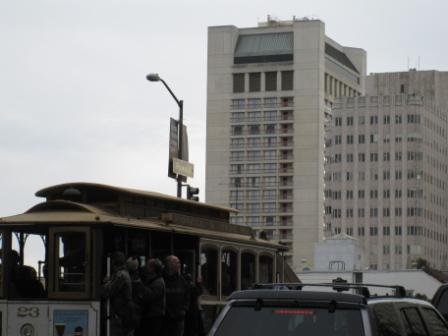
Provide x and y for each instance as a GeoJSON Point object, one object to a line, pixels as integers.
{"type": "Point", "coordinates": [257, 103]}
{"type": "Point", "coordinates": [410, 156]}
{"type": "Point", "coordinates": [373, 139]}
{"type": "Point", "coordinates": [258, 168]}
{"type": "Point", "coordinates": [374, 176]}
{"type": "Point", "coordinates": [337, 88]}
{"type": "Point", "coordinates": [268, 207]}
{"type": "Point", "coordinates": [257, 116]}
{"type": "Point", "coordinates": [373, 212]}
{"type": "Point", "coordinates": [259, 129]}
{"type": "Point", "coordinates": [256, 142]}
{"type": "Point", "coordinates": [257, 155]}
{"type": "Point", "coordinates": [374, 120]}
{"type": "Point", "coordinates": [262, 220]}
{"type": "Point", "coordinates": [386, 230]}
{"type": "Point", "coordinates": [258, 181]}
{"type": "Point", "coordinates": [362, 101]}
{"type": "Point", "coordinates": [361, 194]}
{"type": "Point", "coordinates": [266, 81]}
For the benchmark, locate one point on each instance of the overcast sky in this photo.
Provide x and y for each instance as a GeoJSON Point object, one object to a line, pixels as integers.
{"type": "Point", "coordinates": [75, 105]}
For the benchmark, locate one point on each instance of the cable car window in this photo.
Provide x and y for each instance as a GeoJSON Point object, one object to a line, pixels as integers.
{"type": "Point", "coordinates": [266, 269]}
{"type": "Point", "coordinates": [71, 261]}
{"type": "Point", "coordinates": [209, 270]}
{"type": "Point", "coordinates": [247, 270]}
{"type": "Point", "coordinates": [26, 266]}
{"type": "Point", "coordinates": [228, 271]}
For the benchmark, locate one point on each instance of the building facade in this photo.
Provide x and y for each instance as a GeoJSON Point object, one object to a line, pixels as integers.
{"type": "Point", "coordinates": [269, 93]}
{"type": "Point", "coordinates": [387, 169]}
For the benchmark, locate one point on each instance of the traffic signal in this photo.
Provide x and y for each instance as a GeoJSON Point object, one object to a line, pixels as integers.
{"type": "Point", "coordinates": [192, 192]}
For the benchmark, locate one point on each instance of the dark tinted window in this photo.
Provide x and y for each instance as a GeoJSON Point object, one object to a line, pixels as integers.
{"type": "Point", "coordinates": [228, 271]}
{"type": "Point", "coordinates": [442, 305]}
{"type": "Point", "coordinates": [246, 321]}
{"type": "Point", "coordinates": [413, 322]}
{"type": "Point", "coordinates": [238, 82]}
{"type": "Point", "coordinates": [287, 80]}
{"type": "Point", "coordinates": [434, 323]}
{"type": "Point", "coordinates": [254, 81]}
{"type": "Point", "coordinates": [387, 319]}
{"type": "Point", "coordinates": [271, 81]}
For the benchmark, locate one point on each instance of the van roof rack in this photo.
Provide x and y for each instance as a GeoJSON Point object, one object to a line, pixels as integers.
{"type": "Point", "coordinates": [362, 289]}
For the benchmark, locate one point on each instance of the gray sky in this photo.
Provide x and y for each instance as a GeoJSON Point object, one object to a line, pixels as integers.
{"type": "Point", "coordinates": [75, 105]}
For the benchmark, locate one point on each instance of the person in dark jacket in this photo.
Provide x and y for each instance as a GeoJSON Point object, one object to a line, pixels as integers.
{"type": "Point", "coordinates": [118, 289]}
{"type": "Point", "coordinates": [177, 298]}
{"type": "Point", "coordinates": [193, 320]}
{"type": "Point", "coordinates": [153, 300]}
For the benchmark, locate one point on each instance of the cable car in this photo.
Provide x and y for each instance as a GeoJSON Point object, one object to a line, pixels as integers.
{"type": "Point", "coordinates": [54, 256]}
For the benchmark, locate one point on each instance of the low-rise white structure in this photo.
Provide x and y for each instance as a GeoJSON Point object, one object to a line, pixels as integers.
{"type": "Point", "coordinates": [338, 253]}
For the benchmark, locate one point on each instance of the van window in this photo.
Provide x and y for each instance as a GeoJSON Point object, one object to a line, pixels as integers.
{"type": "Point", "coordinates": [413, 322]}
{"type": "Point", "coordinates": [434, 323]}
{"type": "Point", "coordinates": [387, 319]}
{"type": "Point", "coordinates": [247, 321]}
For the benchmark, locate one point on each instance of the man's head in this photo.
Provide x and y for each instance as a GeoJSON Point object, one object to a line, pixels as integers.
{"type": "Point", "coordinates": [154, 266]}
{"type": "Point", "coordinates": [172, 264]}
{"type": "Point", "coordinates": [118, 259]}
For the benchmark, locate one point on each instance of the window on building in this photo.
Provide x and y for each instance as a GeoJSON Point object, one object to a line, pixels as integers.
{"type": "Point", "coordinates": [361, 138]}
{"type": "Point", "coordinates": [361, 213]}
{"type": "Point", "coordinates": [349, 121]}
{"type": "Point", "coordinates": [361, 120]}
{"type": "Point", "coordinates": [287, 80]}
{"type": "Point", "coordinates": [238, 82]}
{"type": "Point", "coordinates": [254, 81]}
{"type": "Point", "coordinates": [361, 157]}
{"type": "Point", "coordinates": [349, 139]}
{"type": "Point", "coordinates": [361, 193]}
{"type": "Point", "coordinates": [271, 81]}
{"type": "Point", "coordinates": [338, 121]}
{"type": "Point", "coordinates": [386, 120]}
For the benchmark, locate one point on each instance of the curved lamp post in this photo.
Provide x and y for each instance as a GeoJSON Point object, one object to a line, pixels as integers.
{"type": "Point", "coordinates": [154, 77]}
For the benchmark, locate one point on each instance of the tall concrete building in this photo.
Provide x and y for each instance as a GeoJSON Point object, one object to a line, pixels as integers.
{"type": "Point", "coordinates": [386, 175]}
{"type": "Point", "coordinates": [269, 92]}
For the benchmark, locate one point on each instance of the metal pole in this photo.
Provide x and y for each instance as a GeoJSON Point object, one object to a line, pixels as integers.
{"type": "Point", "coordinates": [108, 271]}
{"type": "Point", "coordinates": [181, 118]}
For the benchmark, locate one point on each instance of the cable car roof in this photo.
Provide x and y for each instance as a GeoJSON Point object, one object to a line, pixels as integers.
{"type": "Point", "coordinates": [65, 213]}
{"type": "Point", "coordinates": [56, 191]}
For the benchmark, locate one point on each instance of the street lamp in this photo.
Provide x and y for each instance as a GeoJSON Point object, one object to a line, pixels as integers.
{"type": "Point", "coordinates": [154, 77]}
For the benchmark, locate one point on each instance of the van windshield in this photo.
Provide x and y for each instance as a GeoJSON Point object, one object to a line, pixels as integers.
{"type": "Point", "coordinates": [279, 321]}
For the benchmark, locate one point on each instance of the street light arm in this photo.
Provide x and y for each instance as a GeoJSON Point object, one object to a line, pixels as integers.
{"type": "Point", "coordinates": [171, 92]}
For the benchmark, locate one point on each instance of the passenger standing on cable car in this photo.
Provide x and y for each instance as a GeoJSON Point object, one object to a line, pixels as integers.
{"type": "Point", "coordinates": [153, 300]}
{"type": "Point", "coordinates": [177, 298]}
{"type": "Point", "coordinates": [119, 290]}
